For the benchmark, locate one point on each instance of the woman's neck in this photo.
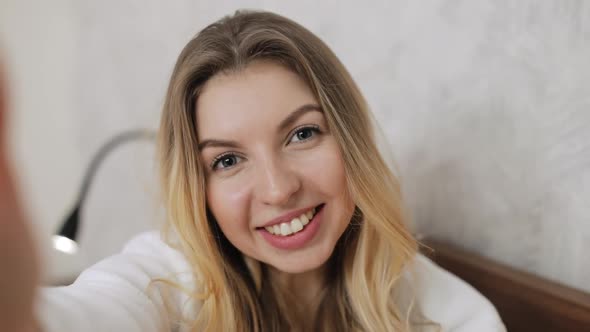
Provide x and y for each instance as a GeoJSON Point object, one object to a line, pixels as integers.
{"type": "Point", "coordinates": [303, 291]}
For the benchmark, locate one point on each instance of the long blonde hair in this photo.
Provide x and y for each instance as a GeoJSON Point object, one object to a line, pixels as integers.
{"type": "Point", "coordinates": [372, 253]}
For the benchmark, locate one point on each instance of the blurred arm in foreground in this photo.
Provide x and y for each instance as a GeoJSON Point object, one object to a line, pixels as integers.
{"type": "Point", "coordinates": [19, 264]}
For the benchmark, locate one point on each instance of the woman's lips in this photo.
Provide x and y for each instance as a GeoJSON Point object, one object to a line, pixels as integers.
{"type": "Point", "coordinates": [299, 239]}
{"type": "Point", "coordinates": [288, 217]}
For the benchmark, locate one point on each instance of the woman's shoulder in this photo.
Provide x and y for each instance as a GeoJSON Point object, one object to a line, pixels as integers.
{"type": "Point", "coordinates": [123, 291]}
{"type": "Point", "coordinates": [145, 257]}
{"type": "Point", "coordinates": [446, 299]}
{"type": "Point", "coordinates": [441, 296]}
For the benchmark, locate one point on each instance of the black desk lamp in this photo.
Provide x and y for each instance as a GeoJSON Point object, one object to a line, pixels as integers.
{"type": "Point", "coordinates": [65, 239]}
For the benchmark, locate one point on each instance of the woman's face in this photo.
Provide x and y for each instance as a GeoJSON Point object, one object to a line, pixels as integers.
{"type": "Point", "coordinates": [270, 161]}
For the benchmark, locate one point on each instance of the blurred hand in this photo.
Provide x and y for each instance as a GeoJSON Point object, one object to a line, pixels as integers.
{"type": "Point", "coordinates": [19, 265]}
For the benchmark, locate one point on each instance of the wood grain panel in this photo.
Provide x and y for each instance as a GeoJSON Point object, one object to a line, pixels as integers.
{"type": "Point", "coordinates": [525, 301]}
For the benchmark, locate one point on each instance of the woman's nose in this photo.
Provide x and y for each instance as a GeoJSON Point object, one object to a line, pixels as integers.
{"type": "Point", "coordinates": [278, 182]}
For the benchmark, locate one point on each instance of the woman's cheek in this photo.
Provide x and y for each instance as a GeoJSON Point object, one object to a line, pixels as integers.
{"type": "Point", "coordinates": [227, 200]}
{"type": "Point", "coordinates": [326, 166]}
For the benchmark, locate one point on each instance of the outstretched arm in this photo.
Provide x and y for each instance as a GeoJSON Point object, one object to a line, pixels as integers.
{"type": "Point", "coordinates": [113, 295]}
{"type": "Point", "coordinates": [19, 269]}
{"type": "Point", "coordinates": [117, 294]}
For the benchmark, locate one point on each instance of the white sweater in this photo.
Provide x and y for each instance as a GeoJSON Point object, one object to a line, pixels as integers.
{"type": "Point", "coordinates": [113, 295]}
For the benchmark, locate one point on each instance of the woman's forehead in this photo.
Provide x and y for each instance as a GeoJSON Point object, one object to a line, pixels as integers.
{"type": "Point", "coordinates": [260, 95]}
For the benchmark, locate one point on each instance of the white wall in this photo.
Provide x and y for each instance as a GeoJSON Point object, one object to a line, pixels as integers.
{"type": "Point", "coordinates": [486, 105]}
{"type": "Point", "coordinates": [38, 50]}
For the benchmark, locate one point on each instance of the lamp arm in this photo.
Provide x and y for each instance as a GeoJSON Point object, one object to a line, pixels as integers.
{"type": "Point", "coordinates": [69, 228]}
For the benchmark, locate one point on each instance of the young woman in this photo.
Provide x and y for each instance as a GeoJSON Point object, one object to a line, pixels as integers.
{"type": "Point", "coordinates": [282, 214]}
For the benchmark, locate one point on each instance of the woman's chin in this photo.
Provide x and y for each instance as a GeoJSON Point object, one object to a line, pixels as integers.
{"type": "Point", "coordinates": [297, 269]}
{"type": "Point", "coordinates": [298, 265]}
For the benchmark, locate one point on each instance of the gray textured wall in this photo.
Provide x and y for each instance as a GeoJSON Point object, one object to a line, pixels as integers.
{"type": "Point", "coordinates": [486, 105]}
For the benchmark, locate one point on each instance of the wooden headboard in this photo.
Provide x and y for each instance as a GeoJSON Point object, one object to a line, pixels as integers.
{"type": "Point", "coordinates": [525, 302]}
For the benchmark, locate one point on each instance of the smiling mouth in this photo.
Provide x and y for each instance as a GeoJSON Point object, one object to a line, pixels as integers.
{"type": "Point", "coordinates": [294, 226]}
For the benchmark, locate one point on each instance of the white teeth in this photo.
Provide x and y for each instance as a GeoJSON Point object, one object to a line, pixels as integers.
{"type": "Point", "coordinates": [296, 225]}
{"type": "Point", "coordinates": [285, 229]}
{"type": "Point", "coordinates": [304, 219]}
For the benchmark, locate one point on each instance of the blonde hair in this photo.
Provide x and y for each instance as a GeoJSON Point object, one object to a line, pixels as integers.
{"type": "Point", "coordinates": [372, 253]}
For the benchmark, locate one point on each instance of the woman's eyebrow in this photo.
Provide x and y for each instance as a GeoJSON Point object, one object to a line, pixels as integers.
{"type": "Point", "coordinates": [285, 123]}
{"type": "Point", "coordinates": [296, 114]}
{"type": "Point", "coordinates": [218, 143]}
